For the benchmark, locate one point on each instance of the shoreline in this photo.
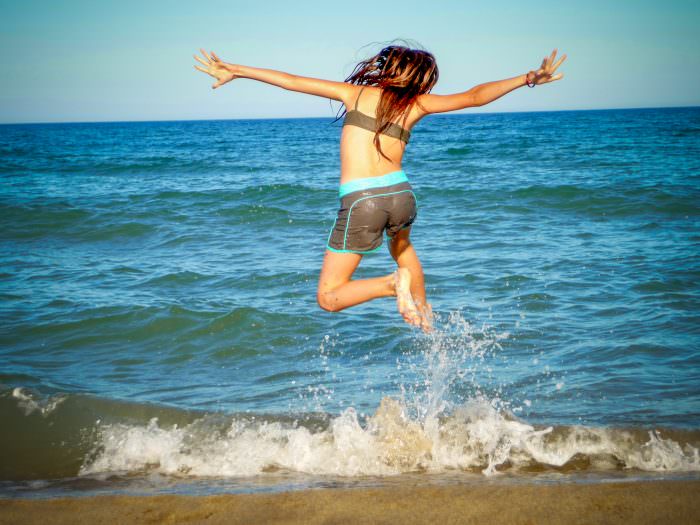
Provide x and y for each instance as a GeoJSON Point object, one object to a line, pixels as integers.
{"type": "Point", "coordinates": [324, 117]}
{"type": "Point", "coordinates": [614, 502]}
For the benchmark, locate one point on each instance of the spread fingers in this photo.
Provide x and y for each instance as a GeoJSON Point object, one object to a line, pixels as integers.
{"type": "Point", "coordinates": [558, 62]}
{"type": "Point", "coordinates": [205, 54]}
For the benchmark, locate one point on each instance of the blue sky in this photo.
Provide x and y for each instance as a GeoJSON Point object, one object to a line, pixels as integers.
{"type": "Point", "coordinates": [92, 61]}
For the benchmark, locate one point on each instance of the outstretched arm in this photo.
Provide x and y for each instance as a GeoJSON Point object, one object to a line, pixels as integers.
{"type": "Point", "coordinates": [486, 93]}
{"type": "Point", "coordinates": [224, 72]}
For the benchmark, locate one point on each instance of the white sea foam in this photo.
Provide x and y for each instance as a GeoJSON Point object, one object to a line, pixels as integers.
{"type": "Point", "coordinates": [29, 402]}
{"type": "Point", "coordinates": [475, 438]}
{"type": "Point", "coordinates": [421, 431]}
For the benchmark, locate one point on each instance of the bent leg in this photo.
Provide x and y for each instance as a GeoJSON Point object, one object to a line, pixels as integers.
{"type": "Point", "coordinates": [405, 255]}
{"type": "Point", "coordinates": [335, 289]}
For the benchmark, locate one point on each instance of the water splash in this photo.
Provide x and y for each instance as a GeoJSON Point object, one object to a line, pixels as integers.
{"type": "Point", "coordinates": [456, 352]}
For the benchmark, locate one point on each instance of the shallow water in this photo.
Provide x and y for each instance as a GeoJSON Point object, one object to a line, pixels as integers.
{"type": "Point", "coordinates": [158, 315]}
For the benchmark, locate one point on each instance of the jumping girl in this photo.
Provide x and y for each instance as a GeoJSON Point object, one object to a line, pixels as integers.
{"type": "Point", "coordinates": [388, 93]}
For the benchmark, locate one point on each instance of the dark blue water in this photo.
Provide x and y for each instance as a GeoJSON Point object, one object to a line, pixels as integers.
{"type": "Point", "coordinates": [163, 273]}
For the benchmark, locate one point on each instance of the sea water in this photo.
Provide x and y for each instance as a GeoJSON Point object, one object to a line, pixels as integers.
{"type": "Point", "coordinates": [159, 329]}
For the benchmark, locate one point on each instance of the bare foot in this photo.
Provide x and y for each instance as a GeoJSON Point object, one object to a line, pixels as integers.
{"type": "Point", "coordinates": [426, 318]}
{"type": "Point", "coordinates": [404, 300]}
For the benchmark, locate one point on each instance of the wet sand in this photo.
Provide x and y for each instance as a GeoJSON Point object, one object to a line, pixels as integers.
{"type": "Point", "coordinates": [676, 502]}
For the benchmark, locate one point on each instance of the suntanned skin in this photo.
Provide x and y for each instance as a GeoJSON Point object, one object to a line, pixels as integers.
{"type": "Point", "coordinates": [360, 159]}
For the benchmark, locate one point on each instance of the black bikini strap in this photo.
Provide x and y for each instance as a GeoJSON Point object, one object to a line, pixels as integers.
{"type": "Point", "coordinates": [358, 97]}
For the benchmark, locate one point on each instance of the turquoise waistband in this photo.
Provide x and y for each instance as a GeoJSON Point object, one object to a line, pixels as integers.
{"type": "Point", "coordinates": [395, 177]}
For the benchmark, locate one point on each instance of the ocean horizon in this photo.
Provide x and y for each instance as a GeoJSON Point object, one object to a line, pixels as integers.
{"type": "Point", "coordinates": [437, 115]}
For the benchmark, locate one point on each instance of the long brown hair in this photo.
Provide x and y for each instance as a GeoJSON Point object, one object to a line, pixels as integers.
{"type": "Point", "coordinates": [402, 74]}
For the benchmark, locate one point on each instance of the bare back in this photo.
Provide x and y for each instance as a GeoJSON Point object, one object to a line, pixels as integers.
{"type": "Point", "coordinates": [359, 157]}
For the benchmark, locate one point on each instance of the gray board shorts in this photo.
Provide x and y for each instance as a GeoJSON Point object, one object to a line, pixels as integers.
{"type": "Point", "coordinates": [365, 214]}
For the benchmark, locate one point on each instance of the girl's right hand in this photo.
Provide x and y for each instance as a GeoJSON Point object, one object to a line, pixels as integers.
{"type": "Point", "coordinates": [216, 68]}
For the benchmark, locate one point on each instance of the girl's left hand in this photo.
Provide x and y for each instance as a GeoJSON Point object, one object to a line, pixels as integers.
{"type": "Point", "coordinates": [221, 71]}
{"type": "Point", "coordinates": [546, 71]}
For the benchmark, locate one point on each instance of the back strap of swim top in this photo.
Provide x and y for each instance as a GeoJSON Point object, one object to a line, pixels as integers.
{"type": "Point", "coordinates": [357, 118]}
{"type": "Point", "coordinates": [358, 97]}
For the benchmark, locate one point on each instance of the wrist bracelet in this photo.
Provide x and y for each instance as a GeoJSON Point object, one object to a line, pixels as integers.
{"type": "Point", "coordinates": [527, 81]}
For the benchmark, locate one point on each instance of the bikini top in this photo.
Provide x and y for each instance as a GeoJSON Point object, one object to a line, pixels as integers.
{"type": "Point", "coordinates": [359, 119]}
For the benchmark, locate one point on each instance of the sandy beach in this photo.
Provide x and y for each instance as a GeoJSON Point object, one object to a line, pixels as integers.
{"type": "Point", "coordinates": [676, 502]}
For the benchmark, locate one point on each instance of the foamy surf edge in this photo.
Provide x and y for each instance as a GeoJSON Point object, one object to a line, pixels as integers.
{"type": "Point", "coordinates": [476, 438]}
